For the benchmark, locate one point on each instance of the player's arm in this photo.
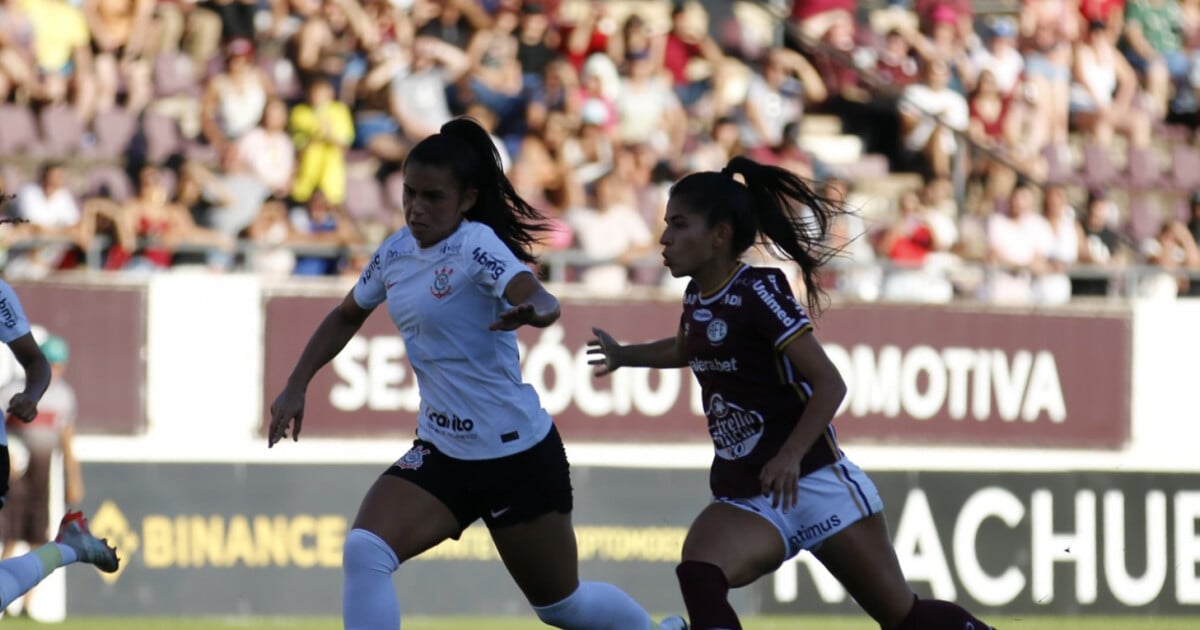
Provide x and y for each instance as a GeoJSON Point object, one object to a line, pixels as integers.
{"type": "Point", "coordinates": [532, 304]}
{"type": "Point", "coordinates": [37, 377]}
{"type": "Point", "coordinates": [608, 355]}
{"type": "Point", "coordinates": [338, 327]}
{"type": "Point", "coordinates": [828, 390]}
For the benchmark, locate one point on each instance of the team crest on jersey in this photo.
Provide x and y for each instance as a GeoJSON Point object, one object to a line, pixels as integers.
{"type": "Point", "coordinates": [441, 283]}
{"type": "Point", "coordinates": [702, 315]}
{"type": "Point", "coordinates": [717, 329]}
{"type": "Point", "coordinates": [413, 459]}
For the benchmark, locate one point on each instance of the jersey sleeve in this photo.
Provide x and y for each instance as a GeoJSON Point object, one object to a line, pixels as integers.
{"type": "Point", "coordinates": [775, 311]}
{"type": "Point", "coordinates": [489, 262]}
{"type": "Point", "coordinates": [13, 323]}
{"type": "Point", "coordinates": [369, 291]}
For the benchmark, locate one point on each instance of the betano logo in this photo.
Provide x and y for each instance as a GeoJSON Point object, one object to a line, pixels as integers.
{"type": "Point", "coordinates": [195, 541]}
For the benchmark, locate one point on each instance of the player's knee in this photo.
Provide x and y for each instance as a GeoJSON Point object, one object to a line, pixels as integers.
{"type": "Point", "coordinates": [364, 552]}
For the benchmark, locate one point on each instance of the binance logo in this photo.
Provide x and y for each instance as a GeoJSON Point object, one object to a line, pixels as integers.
{"type": "Point", "coordinates": [109, 522]}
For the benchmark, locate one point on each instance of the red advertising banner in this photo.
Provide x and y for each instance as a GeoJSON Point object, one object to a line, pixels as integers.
{"type": "Point", "coordinates": [105, 328]}
{"type": "Point", "coordinates": [916, 375]}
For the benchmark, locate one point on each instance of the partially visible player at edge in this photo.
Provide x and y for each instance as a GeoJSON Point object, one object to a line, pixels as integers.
{"type": "Point", "coordinates": [74, 543]}
{"type": "Point", "coordinates": [780, 482]}
{"type": "Point", "coordinates": [456, 285]}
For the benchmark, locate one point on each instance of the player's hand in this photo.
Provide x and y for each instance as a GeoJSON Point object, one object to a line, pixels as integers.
{"type": "Point", "coordinates": [287, 410]}
{"type": "Point", "coordinates": [22, 407]}
{"type": "Point", "coordinates": [780, 479]}
{"type": "Point", "coordinates": [514, 318]}
{"type": "Point", "coordinates": [601, 351]}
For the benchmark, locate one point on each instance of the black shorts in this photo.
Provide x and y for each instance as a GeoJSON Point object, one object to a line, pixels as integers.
{"type": "Point", "coordinates": [503, 492]}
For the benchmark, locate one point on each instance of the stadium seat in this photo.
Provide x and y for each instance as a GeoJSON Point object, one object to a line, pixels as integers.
{"type": "Point", "coordinates": [18, 132]}
{"type": "Point", "coordinates": [1145, 217]}
{"type": "Point", "coordinates": [364, 198]}
{"type": "Point", "coordinates": [110, 182]}
{"type": "Point", "coordinates": [1143, 171]}
{"type": "Point", "coordinates": [61, 132]}
{"type": "Point", "coordinates": [1185, 168]}
{"type": "Point", "coordinates": [114, 131]}
{"type": "Point", "coordinates": [1098, 169]}
{"type": "Point", "coordinates": [161, 136]}
{"type": "Point", "coordinates": [175, 75]}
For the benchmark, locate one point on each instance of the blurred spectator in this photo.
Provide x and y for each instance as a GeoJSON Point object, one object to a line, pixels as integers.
{"type": "Point", "coordinates": [895, 63]}
{"type": "Point", "coordinates": [496, 79]}
{"type": "Point", "coordinates": [1101, 246]}
{"type": "Point", "coordinates": [1172, 250]}
{"type": "Point", "coordinates": [714, 152]}
{"type": "Point", "coordinates": [53, 213]}
{"type": "Point", "coordinates": [187, 26]}
{"type": "Point", "coordinates": [1153, 43]}
{"type": "Point", "coordinates": [234, 99]}
{"type": "Point", "coordinates": [590, 33]}
{"type": "Point", "coordinates": [599, 85]}
{"type": "Point", "coordinates": [329, 46]}
{"type": "Point", "coordinates": [690, 54]}
{"type": "Point", "coordinates": [816, 17]}
{"type": "Point", "coordinates": [647, 108]}
{"type": "Point", "coordinates": [778, 96]}
{"type": "Point", "coordinates": [487, 119]}
{"type": "Point", "coordinates": [612, 234]}
{"type": "Point", "coordinates": [1103, 95]}
{"type": "Point", "coordinates": [1048, 29]}
{"type": "Point", "coordinates": [931, 112]}
{"type": "Point", "coordinates": [1064, 226]}
{"type": "Point", "coordinates": [1021, 244]}
{"type": "Point", "coordinates": [62, 49]}
{"type": "Point", "coordinates": [418, 98]}
{"type": "Point", "coordinates": [119, 32]}
{"type": "Point", "coordinates": [17, 61]}
{"type": "Point", "coordinates": [322, 129]}
{"type": "Point", "coordinates": [912, 244]}
{"type": "Point", "coordinates": [151, 228]}
{"type": "Point", "coordinates": [268, 152]}
{"type": "Point", "coordinates": [271, 233]}
{"type": "Point", "coordinates": [945, 40]}
{"type": "Point", "coordinates": [234, 193]}
{"type": "Point", "coordinates": [320, 223]}
{"type": "Point", "coordinates": [537, 44]}
{"type": "Point", "coordinates": [1000, 57]}
{"type": "Point", "coordinates": [450, 21]}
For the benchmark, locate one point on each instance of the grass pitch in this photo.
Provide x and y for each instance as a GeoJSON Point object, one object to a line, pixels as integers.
{"type": "Point", "coordinates": [529, 623]}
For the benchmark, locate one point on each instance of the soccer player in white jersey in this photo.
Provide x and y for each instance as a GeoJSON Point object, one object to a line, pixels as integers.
{"type": "Point", "coordinates": [74, 543]}
{"type": "Point", "coordinates": [780, 484]}
{"type": "Point", "coordinates": [456, 284]}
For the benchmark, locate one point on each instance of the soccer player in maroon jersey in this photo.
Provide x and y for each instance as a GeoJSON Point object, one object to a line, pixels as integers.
{"type": "Point", "coordinates": [780, 483]}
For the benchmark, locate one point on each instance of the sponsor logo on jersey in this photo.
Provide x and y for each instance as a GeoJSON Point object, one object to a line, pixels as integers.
{"type": "Point", "coordinates": [702, 315]}
{"type": "Point", "coordinates": [451, 248]}
{"type": "Point", "coordinates": [392, 254]}
{"type": "Point", "coordinates": [727, 366]}
{"type": "Point", "coordinates": [451, 422]}
{"type": "Point", "coordinates": [441, 286]}
{"type": "Point", "coordinates": [413, 459]}
{"type": "Point", "coordinates": [732, 300]}
{"type": "Point", "coordinates": [375, 265]}
{"type": "Point", "coordinates": [769, 300]}
{"type": "Point", "coordinates": [691, 298]}
{"type": "Point", "coordinates": [6, 312]}
{"type": "Point", "coordinates": [735, 431]}
{"type": "Point", "coordinates": [717, 330]}
{"type": "Point", "coordinates": [489, 262]}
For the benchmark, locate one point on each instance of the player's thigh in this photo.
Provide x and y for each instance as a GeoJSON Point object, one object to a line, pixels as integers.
{"type": "Point", "coordinates": [743, 544]}
{"type": "Point", "coordinates": [541, 556]}
{"type": "Point", "coordinates": [862, 558]}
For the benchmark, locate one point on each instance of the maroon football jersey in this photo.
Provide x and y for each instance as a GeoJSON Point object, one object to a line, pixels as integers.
{"type": "Point", "coordinates": [753, 396]}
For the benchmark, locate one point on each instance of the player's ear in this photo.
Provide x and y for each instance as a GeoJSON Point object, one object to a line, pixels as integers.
{"type": "Point", "coordinates": [468, 199]}
{"type": "Point", "coordinates": [722, 234]}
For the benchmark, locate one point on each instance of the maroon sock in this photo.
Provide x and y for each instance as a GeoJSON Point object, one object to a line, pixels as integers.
{"type": "Point", "coordinates": [933, 614]}
{"type": "Point", "coordinates": [706, 595]}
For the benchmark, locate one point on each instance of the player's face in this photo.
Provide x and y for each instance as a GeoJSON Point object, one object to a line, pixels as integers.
{"type": "Point", "coordinates": [434, 205]}
{"type": "Point", "coordinates": [689, 244]}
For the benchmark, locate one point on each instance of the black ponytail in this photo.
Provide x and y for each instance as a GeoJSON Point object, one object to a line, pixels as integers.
{"type": "Point", "coordinates": [464, 146]}
{"type": "Point", "coordinates": [774, 208]}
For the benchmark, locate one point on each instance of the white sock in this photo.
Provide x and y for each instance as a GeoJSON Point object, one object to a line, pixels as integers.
{"type": "Point", "coordinates": [595, 606]}
{"type": "Point", "coordinates": [368, 596]}
{"type": "Point", "coordinates": [19, 574]}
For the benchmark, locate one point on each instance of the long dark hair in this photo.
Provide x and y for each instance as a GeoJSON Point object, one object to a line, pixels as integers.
{"type": "Point", "coordinates": [773, 208]}
{"type": "Point", "coordinates": [464, 146]}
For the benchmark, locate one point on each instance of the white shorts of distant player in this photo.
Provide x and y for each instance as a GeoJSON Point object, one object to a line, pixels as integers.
{"type": "Point", "coordinates": [830, 500]}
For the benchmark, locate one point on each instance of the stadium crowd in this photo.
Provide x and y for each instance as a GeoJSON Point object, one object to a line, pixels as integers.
{"type": "Point", "coordinates": [1053, 139]}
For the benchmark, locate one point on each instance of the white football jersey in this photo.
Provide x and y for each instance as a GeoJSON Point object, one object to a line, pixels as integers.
{"type": "Point", "coordinates": [13, 323]}
{"type": "Point", "coordinates": [474, 404]}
